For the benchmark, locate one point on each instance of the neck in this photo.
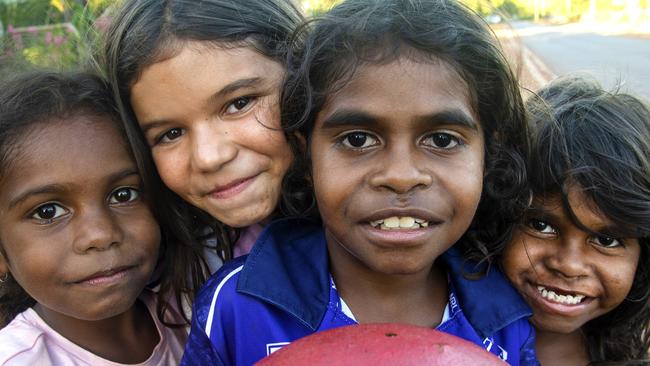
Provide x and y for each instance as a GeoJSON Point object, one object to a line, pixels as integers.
{"type": "Point", "coordinates": [129, 337]}
{"type": "Point", "coordinates": [373, 297]}
{"type": "Point", "coordinates": [561, 349]}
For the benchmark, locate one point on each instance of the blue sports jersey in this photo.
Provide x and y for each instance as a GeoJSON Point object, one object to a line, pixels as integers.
{"type": "Point", "coordinates": [282, 291]}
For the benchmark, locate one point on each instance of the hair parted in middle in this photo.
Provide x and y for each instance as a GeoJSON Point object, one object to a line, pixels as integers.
{"type": "Point", "coordinates": [144, 32]}
{"type": "Point", "coordinates": [330, 49]}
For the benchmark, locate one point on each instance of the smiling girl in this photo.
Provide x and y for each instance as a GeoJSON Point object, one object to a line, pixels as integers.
{"type": "Point", "coordinates": [581, 257]}
{"type": "Point", "coordinates": [78, 240]}
{"type": "Point", "coordinates": [198, 85]}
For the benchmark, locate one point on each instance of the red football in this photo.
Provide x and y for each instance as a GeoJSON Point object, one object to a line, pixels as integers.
{"type": "Point", "coordinates": [381, 344]}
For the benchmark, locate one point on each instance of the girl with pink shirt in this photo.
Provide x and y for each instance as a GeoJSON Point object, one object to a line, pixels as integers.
{"type": "Point", "coordinates": [79, 241]}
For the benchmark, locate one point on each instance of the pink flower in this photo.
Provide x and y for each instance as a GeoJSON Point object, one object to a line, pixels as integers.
{"type": "Point", "coordinates": [10, 28]}
{"type": "Point", "coordinates": [48, 37]}
{"type": "Point", "coordinates": [58, 40]}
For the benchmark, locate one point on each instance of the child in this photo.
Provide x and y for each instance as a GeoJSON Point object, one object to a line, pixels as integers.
{"type": "Point", "coordinates": [78, 241]}
{"type": "Point", "coordinates": [413, 123]}
{"type": "Point", "coordinates": [581, 256]}
{"type": "Point", "coordinates": [198, 85]}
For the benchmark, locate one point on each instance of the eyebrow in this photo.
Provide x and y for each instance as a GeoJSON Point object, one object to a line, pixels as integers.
{"type": "Point", "coordinates": [58, 188]}
{"type": "Point", "coordinates": [606, 229]}
{"type": "Point", "coordinates": [347, 117]}
{"type": "Point", "coordinates": [228, 89]}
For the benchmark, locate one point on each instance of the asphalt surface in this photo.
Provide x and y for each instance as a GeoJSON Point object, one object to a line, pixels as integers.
{"type": "Point", "coordinates": [615, 60]}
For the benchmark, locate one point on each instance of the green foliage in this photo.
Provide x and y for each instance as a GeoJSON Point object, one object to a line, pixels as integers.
{"type": "Point", "coordinates": [53, 34]}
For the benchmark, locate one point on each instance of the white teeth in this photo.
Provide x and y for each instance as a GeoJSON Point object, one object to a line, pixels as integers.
{"type": "Point", "coordinates": [395, 222]}
{"type": "Point", "coordinates": [562, 299]}
{"type": "Point", "coordinates": [406, 221]}
{"type": "Point", "coordinates": [391, 222]}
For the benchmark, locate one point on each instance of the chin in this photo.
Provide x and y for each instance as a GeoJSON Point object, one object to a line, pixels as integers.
{"type": "Point", "coordinates": [559, 326]}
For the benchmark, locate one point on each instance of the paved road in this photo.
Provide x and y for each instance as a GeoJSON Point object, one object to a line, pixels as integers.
{"type": "Point", "coordinates": [577, 48]}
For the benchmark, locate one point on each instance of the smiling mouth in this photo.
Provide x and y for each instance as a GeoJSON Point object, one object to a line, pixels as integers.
{"type": "Point", "coordinates": [399, 222]}
{"type": "Point", "coordinates": [565, 298]}
{"type": "Point", "coordinates": [233, 188]}
{"type": "Point", "coordinates": [106, 277]}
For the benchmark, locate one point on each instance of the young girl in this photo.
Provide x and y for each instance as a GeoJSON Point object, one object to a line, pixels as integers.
{"type": "Point", "coordinates": [581, 257]}
{"type": "Point", "coordinates": [415, 132]}
{"type": "Point", "coordinates": [198, 84]}
{"type": "Point", "coordinates": [78, 240]}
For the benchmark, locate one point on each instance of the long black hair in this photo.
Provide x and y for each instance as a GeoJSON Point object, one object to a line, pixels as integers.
{"type": "Point", "coordinates": [354, 33]}
{"type": "Point", "coordinates": [144, 32]}
{"type": "Point", "coordinates": [586, 137]}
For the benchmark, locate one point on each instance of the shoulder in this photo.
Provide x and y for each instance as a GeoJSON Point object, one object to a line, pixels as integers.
{"type": "Point", "coordinates": [23, 343]}
{"type": "Point", "coordinates": [221, 285]}
{"type": "Point", "coordinates": [485, 311]}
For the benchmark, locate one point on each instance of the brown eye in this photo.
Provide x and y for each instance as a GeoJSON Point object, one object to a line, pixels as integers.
{"type": "Point", "coordinates": [123, 195]}
{"type": "Point", "coordinates": [359, 140]}
{"type": "Point", "coordinates": [48, 211]}
{"type": "Point", "coordinates": [173, 134]}
{"type": "Point", "coordinates": [541, 226]}
{"type": "Point", "coordinates": [239, 104]}
{"type": "Point", "coordinates": [443, 141]}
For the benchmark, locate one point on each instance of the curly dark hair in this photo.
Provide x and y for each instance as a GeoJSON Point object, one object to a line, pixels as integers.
{"type": "Point", "coordinates": [355, 33]}
{"type": "Point", "coordinates": [39, 97]}
{"type": "Point", "coordinates": [599, 141]}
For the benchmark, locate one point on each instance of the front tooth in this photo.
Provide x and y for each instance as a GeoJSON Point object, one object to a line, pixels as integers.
{"type": "Point", "coordinates": [406, 222]}
{"type": "Point", "coordinates": [391, 222]}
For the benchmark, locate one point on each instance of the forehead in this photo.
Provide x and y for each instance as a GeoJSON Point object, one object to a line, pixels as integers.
{"type": "Point", "coordinates": [403, 87]}
{"type": "Point", "coordinates": [59, 149]}
{"type": "Point", "coordinates": [194, 73]}
{"type": "Point", "coordinates": [584, 211]}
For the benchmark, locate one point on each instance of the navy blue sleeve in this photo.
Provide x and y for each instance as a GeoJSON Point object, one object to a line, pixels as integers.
{"type": "Point", "coordinates": [199, 350]}
{"type": "Point", "coordinates": [528, 355]}
{"type": "Point", "coordinates": [208, 342]}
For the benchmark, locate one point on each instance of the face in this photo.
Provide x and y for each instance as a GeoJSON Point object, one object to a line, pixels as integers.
{"type": "Point", "coordinates": [397, 157]}
{"type": "Point", "coordinates": [567, 275]}
{"type": "Point", "coordinates": [74, 229]}
{"type": "Point", "coordinates": [211, 118]}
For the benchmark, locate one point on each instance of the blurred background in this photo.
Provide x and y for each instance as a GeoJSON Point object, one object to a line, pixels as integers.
{"type": "Point", "coordinates": [609, 39]}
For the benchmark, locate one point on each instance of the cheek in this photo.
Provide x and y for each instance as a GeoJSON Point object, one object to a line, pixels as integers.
{"type": "Point", "coordinates": [170, 168]}
{"type": "Point", "coordinates": [620, 279]}
{"type": "Point", "coordinates": [517, 256]}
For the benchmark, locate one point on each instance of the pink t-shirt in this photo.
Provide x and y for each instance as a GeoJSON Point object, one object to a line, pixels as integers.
{"type": "Point", "coordinates": [28, 340]}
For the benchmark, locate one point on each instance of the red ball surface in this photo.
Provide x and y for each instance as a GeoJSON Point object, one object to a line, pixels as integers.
{"type": "Point", "coordinates": [381, 344]}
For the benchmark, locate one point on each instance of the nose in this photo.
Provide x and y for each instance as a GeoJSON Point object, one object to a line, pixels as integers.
{"type": "Point", "coordinates": [569, 260]}
{"type": "Point", "coordinates": [96, 229]}
{"type": "Point", "coordinates": [399, 171]}
{"type": "Point", "coordinates": [212, 147]}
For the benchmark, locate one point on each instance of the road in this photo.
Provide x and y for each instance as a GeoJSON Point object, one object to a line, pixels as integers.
{"type": "Point", "coordinates": [578, 48]}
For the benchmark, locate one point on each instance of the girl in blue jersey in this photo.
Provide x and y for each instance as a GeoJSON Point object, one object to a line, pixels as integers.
{"type": "Point", "coordinates": [412, 129]}
{"type": "Point", "coordinates": [581, 257]}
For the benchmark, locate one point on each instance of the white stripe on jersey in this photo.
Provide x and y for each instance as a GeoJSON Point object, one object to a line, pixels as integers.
{"type": "Point", "coordinates": [208, 326]}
